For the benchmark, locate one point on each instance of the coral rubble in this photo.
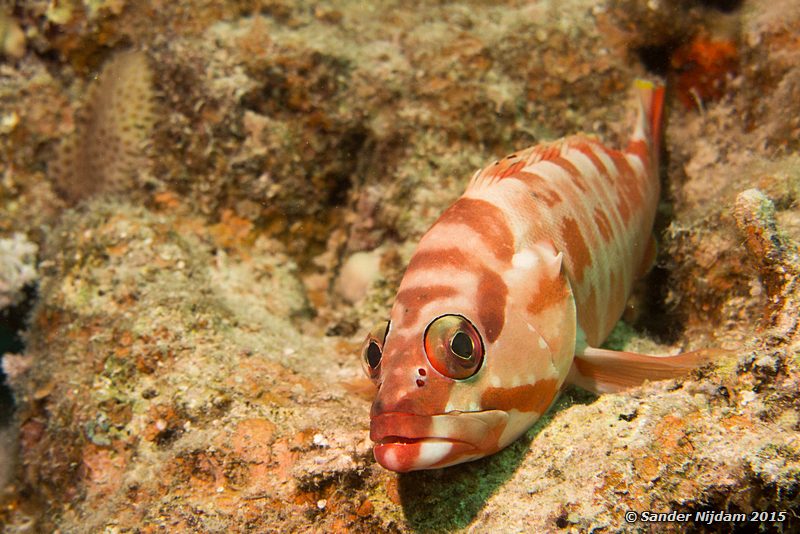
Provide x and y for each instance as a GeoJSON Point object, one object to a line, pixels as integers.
{"type": "Point", "coordinates": [17, 268]}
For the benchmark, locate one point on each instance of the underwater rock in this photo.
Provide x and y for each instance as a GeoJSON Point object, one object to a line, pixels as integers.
{"type": "Point", "coordinates": [191, 363]}
{"type": "Point", "coordinates": [358, 274]}
{"type": "Point", "coordinates": [12, 38]}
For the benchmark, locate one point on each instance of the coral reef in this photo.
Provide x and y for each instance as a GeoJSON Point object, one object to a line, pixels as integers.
{"type": "Point", "coordinates": [17, 268]}
{"type": "Point", "coordinates": [240, 189]}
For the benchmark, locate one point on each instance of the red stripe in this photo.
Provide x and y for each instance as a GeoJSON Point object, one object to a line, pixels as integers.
{"type": "Point", "coordinates": [578, 253]}
{"type": "Point", "coordinates": [485, 219]}
{"type": "Point", "coordinates": [397, 394]}
{"type": "Point", "coordinates": [492, 290]}
{"type": "Point", "coordinates": [534, 397]}
{"type": "Point", "coordinates": [492, 294]}
{"type": "Point", "coordinates": [639, 148]}
{"type": "Point", "coordinates": [603, 225]}
{"type": "Point", "coordinates": [438, 258]}
{"type": "Point", "coordinates": [615, 222]}
{"type": "Point", "coordinates": [508, 170]}
{"type": "Point", "coordinates": [628, 185]}
{"type": "Point", "coordinates": [587, 151]}
{"type": "Point", "coordinates": [573, 172]}
{"type": "Point", "coordinates": [551, 291]}
{"type": "Point", "coordinates": [412, 300]}
{"type": "Point", "coordinates": [540, 188]}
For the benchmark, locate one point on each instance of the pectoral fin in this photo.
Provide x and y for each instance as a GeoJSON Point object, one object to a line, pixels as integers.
{"type": "Point", "coordinates": [609, 371]}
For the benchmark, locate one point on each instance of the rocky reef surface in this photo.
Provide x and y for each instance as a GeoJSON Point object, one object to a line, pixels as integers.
{"type": "Point", "coordinates": [217, 200]}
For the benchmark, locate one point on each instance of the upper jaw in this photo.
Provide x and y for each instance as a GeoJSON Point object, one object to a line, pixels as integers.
{"type": "Point", "coordinates": [406, 442]}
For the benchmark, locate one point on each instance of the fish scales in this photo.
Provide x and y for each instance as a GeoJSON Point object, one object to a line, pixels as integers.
{"type": "Point", "coordinates": [510, 292]}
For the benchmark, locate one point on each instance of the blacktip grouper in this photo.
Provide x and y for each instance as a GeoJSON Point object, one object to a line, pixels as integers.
{"type": "Point", "coordinates": [509, 294]}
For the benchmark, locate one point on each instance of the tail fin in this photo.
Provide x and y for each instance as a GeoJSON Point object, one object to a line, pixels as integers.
{"type": "Point", "coordinates": [648, 124]}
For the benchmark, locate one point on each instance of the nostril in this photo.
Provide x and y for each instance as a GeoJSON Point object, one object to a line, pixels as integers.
{"type": "Point", "coordinates": [420, 382]}
{"type": "Point", "coordinates": [422, 372]}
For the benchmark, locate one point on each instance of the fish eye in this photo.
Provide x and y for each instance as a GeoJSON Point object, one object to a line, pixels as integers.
{"type": "Point", "coordinates": [454, 346]}
{"type": "Point", "coordinates": [372, 350]}
{"type": "Point", "coordinates": [373, 354]}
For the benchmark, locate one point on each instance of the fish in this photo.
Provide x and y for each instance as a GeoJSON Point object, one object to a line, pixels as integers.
{"type": "Point", "coordinates": [509, 294]}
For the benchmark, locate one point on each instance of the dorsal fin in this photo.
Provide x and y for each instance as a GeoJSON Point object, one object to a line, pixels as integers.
{"type": "Point", "coordinates": [512, 163]}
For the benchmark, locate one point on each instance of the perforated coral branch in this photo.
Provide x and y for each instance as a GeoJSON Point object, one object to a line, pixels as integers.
{"type": "Point", "coordinates": [109, 147]}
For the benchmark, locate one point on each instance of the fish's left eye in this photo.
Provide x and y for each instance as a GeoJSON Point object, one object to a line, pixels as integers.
{"type": "Point", "coordinates": [453, 346]}
{"type": "Point", "coordinates": [372, 350]}
{"type": "Point", "coordinates": [461, 345]}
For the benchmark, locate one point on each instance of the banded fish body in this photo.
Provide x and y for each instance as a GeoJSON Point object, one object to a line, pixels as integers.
{"type": "Point", "coordinates": [509, 293]}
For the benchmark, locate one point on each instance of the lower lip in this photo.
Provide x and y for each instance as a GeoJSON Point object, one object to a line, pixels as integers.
{"type": "Point", "coordinates": [410, 455]}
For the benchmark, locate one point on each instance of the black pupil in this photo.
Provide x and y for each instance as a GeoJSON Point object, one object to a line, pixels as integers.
{"type": "Point", "coordinates": [373, 354]}
{"type": "Point", "coordinates": [461, 345]}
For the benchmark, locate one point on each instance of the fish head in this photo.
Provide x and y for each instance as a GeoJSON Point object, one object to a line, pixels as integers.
{"type": "Point", "coordinates": [456, 383]}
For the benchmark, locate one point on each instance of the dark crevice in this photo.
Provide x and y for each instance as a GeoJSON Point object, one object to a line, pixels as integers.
{"type": "Point", "coordinates": [725, 6]}
{"type": "Point", "coordinates": [656, 58]}
{"type": "Point", "coordinates": [13, 321]}
{"type": "Point", "coordinates": [658, 320]}
{"type": "Point", "coordinates": [352, 146]}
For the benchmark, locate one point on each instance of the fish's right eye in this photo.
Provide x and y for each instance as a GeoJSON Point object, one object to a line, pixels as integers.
{"type": "Point", "coordinates": [372, 350]}
{"type": "Point", "coordinates": [373, 354]}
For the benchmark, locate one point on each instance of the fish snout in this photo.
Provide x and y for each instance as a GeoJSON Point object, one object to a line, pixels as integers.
{"type": "Point", "coordinates": [408, 442]}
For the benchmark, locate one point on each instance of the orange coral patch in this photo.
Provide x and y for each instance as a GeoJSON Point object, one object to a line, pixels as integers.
{"type": "Point", "coordinates": [703, 67]}
{"type": "Point", "coordinates": [252, 439]}
{"type": "Point", "coordinates": [232, 231]}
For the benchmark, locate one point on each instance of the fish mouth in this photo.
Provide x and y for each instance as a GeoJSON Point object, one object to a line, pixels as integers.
{"type": "Point", "coordinates": [407, 442]}
{"type": "Point", "coordinates": [402, 440]}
